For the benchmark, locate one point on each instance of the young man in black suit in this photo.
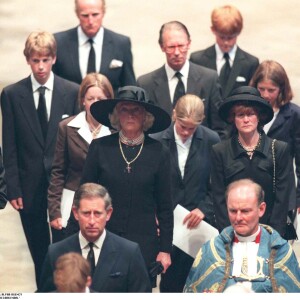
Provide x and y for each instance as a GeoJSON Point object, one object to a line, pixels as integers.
{"type": "Point", "coordinates": [234, 66]}
{"type": "Point", "coordinates": [163, 84]}
{"type": "Point", "coordinates": [117, 264]}
{"type": "Point", "coordinates": [111, 52]}
{"type": "Point", "coordinates": [31, 110]}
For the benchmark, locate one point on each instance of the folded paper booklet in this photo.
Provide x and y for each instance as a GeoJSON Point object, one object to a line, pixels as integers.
{"type": "Point", "coordinates": [190, 240]}
{"type": "Point", "coordinates": [66, 206]}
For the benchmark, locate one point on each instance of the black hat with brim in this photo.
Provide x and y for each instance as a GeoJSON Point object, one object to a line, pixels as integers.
{"type": "Point", "coordinates": [101, 110]}
{"type": "Point", "coordinates": [248, 96]}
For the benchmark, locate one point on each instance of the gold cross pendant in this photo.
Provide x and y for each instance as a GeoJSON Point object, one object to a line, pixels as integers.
{"type": "Point", "coordinates": [128, 168]}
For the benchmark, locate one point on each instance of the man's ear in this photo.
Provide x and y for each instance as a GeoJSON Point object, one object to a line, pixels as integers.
{"type": "Point", "coordinates": [109, 213]}
{"type": "Point", "coordinates": [262, 209]}
{"type": "Point", "coordinates": [213, 30]}
{"type": "Point", "coordinates": [75, 212]}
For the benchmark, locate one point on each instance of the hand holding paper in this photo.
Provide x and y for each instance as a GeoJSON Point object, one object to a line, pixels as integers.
{"type": "Point", "coordinates": [190, 240]}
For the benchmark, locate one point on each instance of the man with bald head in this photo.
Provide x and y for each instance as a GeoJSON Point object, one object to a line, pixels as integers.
{"type": "Point", "coordinates": [246, 251]}
{"type": "Point", "coordinates": [90, 47]}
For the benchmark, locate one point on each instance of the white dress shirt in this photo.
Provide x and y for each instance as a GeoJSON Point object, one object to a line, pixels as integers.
{"type": "Point", "coordinates": [83, 128]}
{"type": "Point", "coordinates": [220, 57]}
{"type": "Point", "coordinates": [84, 245]}
{"type": "Point", "coordinates": [84, 49]}
{"type": "Point", "coordinates": [48, 92]}
{"type": "Point", "coordinates": [173, 80]}
{"type": "Point", "coordinates": [183, 150]}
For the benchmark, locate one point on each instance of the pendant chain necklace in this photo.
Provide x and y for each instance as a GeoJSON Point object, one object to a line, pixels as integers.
{"type": "Point", "coordinates": [94, 130]}
{"type": "Point", "coordinates": [250, 150]}
{"type": "Point", "coordinates": [128, 168]}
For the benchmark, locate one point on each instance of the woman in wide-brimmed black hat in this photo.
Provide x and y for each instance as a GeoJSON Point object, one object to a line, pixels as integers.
{"type": "Point", "coordinates": [249, 153]}
{"type": "Point", "coordinates": [136, 171]}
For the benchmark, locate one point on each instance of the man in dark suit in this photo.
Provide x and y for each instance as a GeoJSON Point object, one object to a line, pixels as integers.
{"type": "Point", "coordinates": [117, 265]}
{"type": "Point", "coordinates": [111, 52]}
{"type": "Point", "coordinates": [163, 84]}
{"type": "Point", "coordinates": [234, 66]}
{"type": "Point", "coordinates": [32, 109]}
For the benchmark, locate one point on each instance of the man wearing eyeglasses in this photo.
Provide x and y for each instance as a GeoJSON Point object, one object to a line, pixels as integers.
{"type": "Point", "coordinates": [179, 76]}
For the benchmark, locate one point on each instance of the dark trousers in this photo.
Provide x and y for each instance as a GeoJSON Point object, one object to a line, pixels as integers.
{"type": "Point", "coordinates": [36, 229]}
{"type": "Point", "coordinates": [174, 279]}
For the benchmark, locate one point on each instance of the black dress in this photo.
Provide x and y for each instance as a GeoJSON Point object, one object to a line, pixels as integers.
{"type": "Point", "coordinates": [138, 197]}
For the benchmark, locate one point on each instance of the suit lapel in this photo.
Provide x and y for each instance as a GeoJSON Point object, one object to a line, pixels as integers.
{"type": "Point", "coordinates": [169, 137]}
{"type": "Point", "coordinates": [106, 260]}
{"type": "Point", "coordinates": [57, 110]}
{"type": "Point", "coordinates": [235, 71]}
{"type": "Point", "coordinates": [77, 139]}
{"type": "Point", "coordinates": [193, 77]}
{"type": "Point", "coordinates": [29, 110]}
{"type": "Point", "coordinates": [281, 118]}
{"type": "Point", "coordinates": [211, 57]}
{"type": "Point", "coordinates": [194, 149]}
{"type": "Point", "coordinates": [161, 90]}
{"type": "Point", "coordinates": [72, 50]}
{"type": "Point", "coordinates": [107, 50]}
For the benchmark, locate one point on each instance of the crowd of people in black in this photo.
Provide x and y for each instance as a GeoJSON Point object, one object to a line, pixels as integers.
{"type": "Point", "coordinates": [108, 157]}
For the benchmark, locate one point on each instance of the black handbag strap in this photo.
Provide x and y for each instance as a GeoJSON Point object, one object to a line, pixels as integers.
{"type": "Point", "coordinates": [274, 165]}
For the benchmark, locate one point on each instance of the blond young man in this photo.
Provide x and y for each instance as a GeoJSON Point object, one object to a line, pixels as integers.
{"type": "Point", "coordinates": [32, 109]}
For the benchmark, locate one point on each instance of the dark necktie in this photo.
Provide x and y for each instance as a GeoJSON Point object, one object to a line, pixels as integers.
{"type": "Point", "coordinates": [179, 91]}
{"type": "Point", "coordinates": [91, 257]}
{"type": "Point", "coordinates": [42, 111]}
{"type": "Point", "coordinates": [225, 71]}
{"type": "Point", "coordinates": [92, 58]}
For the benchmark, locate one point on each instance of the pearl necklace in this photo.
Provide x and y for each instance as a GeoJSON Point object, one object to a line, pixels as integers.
{"type": "Point", "coordinates": [250, 150]}
{"type": "Point", "coordinates": [128, 168]}
{"type": "Point", "coordinates": [131, 142]}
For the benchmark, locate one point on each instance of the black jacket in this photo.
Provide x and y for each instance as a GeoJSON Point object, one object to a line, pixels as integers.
{"type": "Point", "coordinates": [230, 162]}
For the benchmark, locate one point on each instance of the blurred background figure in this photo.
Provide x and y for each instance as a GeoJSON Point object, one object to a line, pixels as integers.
{"type": "Point", "coordinates": [74, 137]}
{"type": "Point", "coordinates": [273, 84]}
{"type": "Point", "coordinates": [72, 274]}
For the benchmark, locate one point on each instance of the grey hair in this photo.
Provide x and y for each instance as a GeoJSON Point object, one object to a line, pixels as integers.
{"type": "Point", "coordinates": [91, 190]}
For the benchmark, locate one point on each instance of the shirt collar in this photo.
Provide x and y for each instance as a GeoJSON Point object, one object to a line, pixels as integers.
{"type": "Point", "coordinates": [82, 37]}
{"type": "Point", "coordinates": [49, 84]}
{"type": "Point", "coordinates": [78, 121]}
{"type": "Point", "coordinates": [252, 238]}
{"type": "Point", "coordinates": [184, 70]}
{"type": "Point", "coordinates": [178, 140]}
{"type": "Point", "coordinates": [220, 53]}
{"type": "Point", "coordinates": [98, 243]}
